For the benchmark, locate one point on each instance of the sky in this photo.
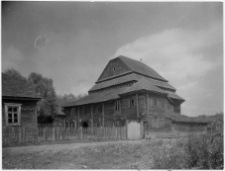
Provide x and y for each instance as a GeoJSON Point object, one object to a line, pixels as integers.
{"type": "Point", "coordinates": [72, 42]}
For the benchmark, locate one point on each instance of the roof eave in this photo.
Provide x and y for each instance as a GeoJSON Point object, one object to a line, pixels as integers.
{"type": "Point", "coordinates": [142, 90]}
{"type": "Point", "coordinates": [21, 98]}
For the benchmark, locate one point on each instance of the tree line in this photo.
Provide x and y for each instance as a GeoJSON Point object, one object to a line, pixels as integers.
{"type": "Point", "coordinates": [48, 106]}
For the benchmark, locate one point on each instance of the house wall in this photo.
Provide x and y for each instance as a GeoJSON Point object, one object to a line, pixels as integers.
{"type": "Point", "coordinates": [189, 127]}
{"type": "Point", "coordinates": [109, 70]}
{"type": "Point", "coordinates": [28, 112]}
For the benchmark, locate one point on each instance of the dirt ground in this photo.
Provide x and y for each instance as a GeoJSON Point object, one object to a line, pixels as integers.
{"type": "Point", "coordinates": [59, 156]}
{"type": "Point", "coordinates": [64, 146]}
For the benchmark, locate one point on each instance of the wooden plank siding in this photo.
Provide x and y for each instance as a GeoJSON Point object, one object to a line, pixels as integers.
{"type": "Point", "coordinates": [114, 67]}
{"type": "Point", "coordinates": [28, 113]}
{"type": "Point", "coordinates": [14, 136]}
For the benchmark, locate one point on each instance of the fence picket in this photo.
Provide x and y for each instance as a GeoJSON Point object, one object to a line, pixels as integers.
{"type": "Point", "coordinates": [23, 135]}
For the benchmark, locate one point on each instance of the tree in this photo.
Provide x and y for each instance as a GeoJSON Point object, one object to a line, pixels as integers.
{"type": "Point", "coordinates": [14, 73]}
{"type": "Point", "coordinates": [44, 86]}
{"type": "Point", "coordinates": [69, 98]}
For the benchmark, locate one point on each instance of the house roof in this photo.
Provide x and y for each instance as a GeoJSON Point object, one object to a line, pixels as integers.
{"type": "Point", "coordinates": [114, 93]}
{"type": "Point", "coordinates": [143, 84]}
{"type": "Point", "coordinates": [174, 96]}
{"type": "Point", "coordinates": [185, 119]}
{"type": "Point", "coordinates": [137, 67]}
{"type": "Point", "coordinates": [14, 87]}
{"type": "Point", "coordinates": [141, 68]}
{"type": "Point", "coordinates": [97, 97]}
{"type": "Point", "coordinates": [128, 78]}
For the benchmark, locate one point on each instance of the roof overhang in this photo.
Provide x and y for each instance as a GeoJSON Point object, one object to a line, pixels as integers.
{"type": "Point", "coordinates": [20, 98]}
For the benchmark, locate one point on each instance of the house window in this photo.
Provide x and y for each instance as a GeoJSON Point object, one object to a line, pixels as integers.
{"type": "Point", "coordinates": [131, 102]}
{"type": "Point", "coordinates": [151, 102]}
{"type": "Point", "coordinates": [100, 109]}
{"type": "Point", "coordinates": [85, 110]}
{"type": "Point", "coordinates": [155, 102]}
{"type": "Point", "coordinates": [12, 113]}
{"type": "Point", "coordinates": [162, 103]}
{"type": "Point", "coordinates": [117, 105]}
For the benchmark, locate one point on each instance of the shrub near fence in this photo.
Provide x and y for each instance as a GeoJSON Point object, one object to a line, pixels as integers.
{"type": "Point", "coordinates": [13, 136]}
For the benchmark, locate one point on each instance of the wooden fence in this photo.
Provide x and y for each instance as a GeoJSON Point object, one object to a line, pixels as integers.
{"type": "Point", "coordinates": [13, 136]}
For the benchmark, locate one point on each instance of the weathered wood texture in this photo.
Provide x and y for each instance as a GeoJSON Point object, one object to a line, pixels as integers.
{"type": "Point", "coordinates": [189, 127]}
{"type": "Point", "coordinates": [13, 136]}
{"type": "Point", "coordinates": [28, 112]}
{"type": "Point", "coordinates": [114, 67]}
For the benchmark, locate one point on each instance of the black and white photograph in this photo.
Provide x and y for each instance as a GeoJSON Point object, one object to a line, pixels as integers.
{"type": "Point", "coordinates": [112, 85]}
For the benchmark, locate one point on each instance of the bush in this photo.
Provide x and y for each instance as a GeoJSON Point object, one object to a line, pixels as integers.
{"type": "Point", "coordinates": [205, 151]}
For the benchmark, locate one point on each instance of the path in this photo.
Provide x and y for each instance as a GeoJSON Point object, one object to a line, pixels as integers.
{"type": "Point", "coordinates": [58, 147]}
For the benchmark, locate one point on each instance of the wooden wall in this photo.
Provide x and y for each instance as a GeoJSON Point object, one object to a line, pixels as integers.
{"type": "Point", "coordinates": [114, 67]}
{"type": "Point", "coordinates": [28, 112]}
{"type": "Point", "coordinates": [154, 106]}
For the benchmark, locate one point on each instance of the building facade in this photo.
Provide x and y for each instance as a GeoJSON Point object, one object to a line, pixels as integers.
{"type": "Point", "coordinates": [129, 90]}
{"type": "Point", "coordinates": [19, 102]}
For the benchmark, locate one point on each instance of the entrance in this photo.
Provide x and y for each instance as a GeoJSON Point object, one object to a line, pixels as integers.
{"type": "Point", "coordinates": [134, 130]}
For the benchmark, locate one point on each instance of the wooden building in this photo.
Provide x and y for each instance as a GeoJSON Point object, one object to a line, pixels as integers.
{"type": "Point", "coordinates": [129, 90]}
{"type": "Point", "coordinates": [19, 102]}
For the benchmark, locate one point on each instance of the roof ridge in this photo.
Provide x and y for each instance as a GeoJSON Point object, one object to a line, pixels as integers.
{"type": "Point", "coordinates": [140, 67]}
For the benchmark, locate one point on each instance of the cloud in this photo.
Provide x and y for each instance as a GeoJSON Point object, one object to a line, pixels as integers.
{"type": "Point", "coordinates": [180, 56]}
{"type": "Point", "coordinates": [11, 57]}
{"type": "Point", "coordinates": [175, 53]}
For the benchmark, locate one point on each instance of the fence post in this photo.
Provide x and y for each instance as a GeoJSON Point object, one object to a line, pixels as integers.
{"type": "Point", "coordinates": [20, 134]}
{"type": "Point", "coordinates": [53, 133]}
{"type": "Point", "coordinates": [81, 132]}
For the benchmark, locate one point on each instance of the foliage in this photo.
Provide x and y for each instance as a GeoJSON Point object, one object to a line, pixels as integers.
{"type": "Point", "coordinates": [69, 98]}
{"type": "Point", "coordinates": [14, 73]}
{"type": "Point", "coordinates": [205, 151]}
{"type": "Point", "coordinates": [44, 86]}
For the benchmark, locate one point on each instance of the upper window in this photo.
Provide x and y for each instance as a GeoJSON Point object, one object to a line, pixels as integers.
{"type": "Point", "coordinates": [12, 113]}
{"type": "Point", "coordinates": [117, 107]}
{"type": "Point", "coordinates": [150, 102]}
{"type": "Point", "coordinates": [100, 109]}
{"type": "Point", "coordinates": [131, 102]}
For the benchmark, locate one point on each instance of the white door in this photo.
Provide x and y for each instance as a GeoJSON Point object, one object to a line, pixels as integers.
{"type": "Point", "coordinates": [134, 130]}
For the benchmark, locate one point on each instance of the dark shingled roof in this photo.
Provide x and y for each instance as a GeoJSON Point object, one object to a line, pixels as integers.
{"type": "Point", "coordinates": [143, 84]}
{"type": "Point", "coordinates": [140, 67]}
{"type": "Point", "coordinates": [128, 78]}
{"type": "Point", "coordinates": [97, 97]}
{"type": "Point", "coordinates": [13, 87]}
{"type": "Point", "coordinates": [185, 119]}
{"type": "Point", "coordinates": [174, 96]}
{"type": "Point", "coordinates": [114, 93]}
{"type": "Point", "coordinates": [137, 67]}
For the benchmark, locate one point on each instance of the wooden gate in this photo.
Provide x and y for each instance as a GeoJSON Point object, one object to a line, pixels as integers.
{"type": "Point", "coordinates": [134, 130]}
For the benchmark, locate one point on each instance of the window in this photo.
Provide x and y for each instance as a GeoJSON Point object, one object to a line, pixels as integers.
{"type": "Point", "coordinates": [117, 105]}
{"type": "Point", "coordinates": [85, 110]}
{"type": "Point", "coordinates": [100, 109]}
{"type": "Point", "coordinates": [150, 102]}
{"type": "Point", "coordinates": [155, 102]}
{"type": "Point", "coordinates": [131, 102]}
{"type": "Point", "coordinates": [12, 113]}
{"type": "Point", "coordinates": [158, 102]}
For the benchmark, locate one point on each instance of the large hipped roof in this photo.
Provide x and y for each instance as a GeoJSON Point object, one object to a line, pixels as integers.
{"type": "Point", "coordinates": [115, 93]}
{"type": "Point", "coordinates": [139, 67]}
{"type": "Point", "coordinates": [128, 78]}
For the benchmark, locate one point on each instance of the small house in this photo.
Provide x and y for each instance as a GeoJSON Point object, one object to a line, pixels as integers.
{"type": "Point", "coordinates": [19, 102]}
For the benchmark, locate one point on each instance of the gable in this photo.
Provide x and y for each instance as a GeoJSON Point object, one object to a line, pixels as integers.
{"type": "Point", "coordinates": [113, 68]}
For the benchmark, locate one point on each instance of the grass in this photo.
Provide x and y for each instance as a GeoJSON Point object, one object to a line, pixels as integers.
{"type": "Point", "coordinates": [201, 152]}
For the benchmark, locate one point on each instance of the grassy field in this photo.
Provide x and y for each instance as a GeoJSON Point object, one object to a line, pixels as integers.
{"type": "Point", "coordinates": [145, 154]}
